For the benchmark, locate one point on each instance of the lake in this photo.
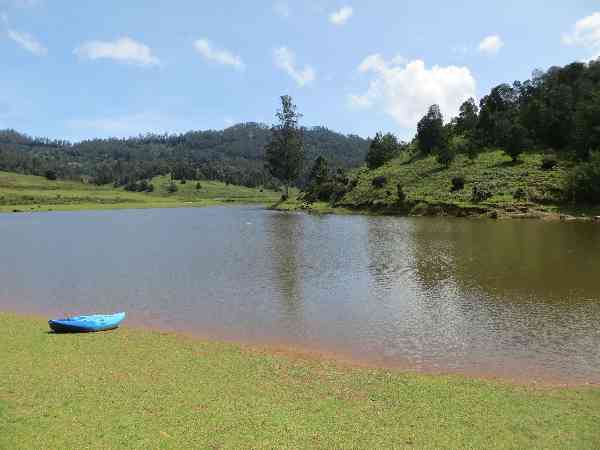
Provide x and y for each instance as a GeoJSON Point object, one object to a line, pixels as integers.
{"type": "Point", "coordinates": [516, 299]}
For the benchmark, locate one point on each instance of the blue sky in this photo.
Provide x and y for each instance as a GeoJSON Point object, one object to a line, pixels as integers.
{"type": "Point", "coordinates": [79, 69]}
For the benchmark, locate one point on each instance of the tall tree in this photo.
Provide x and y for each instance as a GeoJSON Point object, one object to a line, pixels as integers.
{"type": "Point", "coordinates": [430, 130]}
{"type": "Point", "coordinates": [587, 125]}
{"type": "Point", "coordinates": [319, 172]}
{"type": "Point", "coordinates": [284, 154]}
{"type": "Point", "coordinates": [467, 117]}
{"type": "Point", "coordinates": [496, 109]}
{"type": "Point", "coordinates": [382, 149]}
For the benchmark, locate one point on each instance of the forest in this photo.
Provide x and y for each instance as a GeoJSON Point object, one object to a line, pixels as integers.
{"type": "Point", "coordinates": [234, 155]}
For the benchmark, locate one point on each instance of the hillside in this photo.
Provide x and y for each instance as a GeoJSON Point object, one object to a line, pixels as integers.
{"type": "Point", "coordinates": [526, 149]}
{"type": "Point", "coordinates": [234, 155]}
{"type": "Point", "coordinates": [26, 193]}
{"type": "Point", "coordinates": [523, 189]}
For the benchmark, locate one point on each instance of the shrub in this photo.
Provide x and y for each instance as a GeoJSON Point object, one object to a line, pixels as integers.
{"type": "Point", "coordinates": [520, 194]}
{"type": "Point", "coordinates": [183, 181]}
{"type": "Point", "coordinates": [50, 175]}
{"type": "Point", "coordinates": [338, 191]}
{"type": "Point", "coordinates": [583, 183]}
{"type": "Point", "coordinates": [382, 149]}
{"type": "Point", "coordinates": [199, 186]}
{"type": "Point", "coordinates": [142, 186]}
{"type": "Point", "coordinates": [379, 182]}
{"type": "Point", "coordinates": [150, 188]}
{"type": "Point", "coordinates": [401, 195]}
{"type": "Point", "coordinates": [130, 187]}
{"type": "Point", "coordinates": [458, 183]}
{"type": "Point", "coordinates": [549, 163]}
{"type": "Point", "coordinates": [172, 188]}
{"type": "Point", "coordinates": [472, 152]}
{"type": "Point", "coordinates": [445, 155]}
{"type": "Point", "coordinates": [480, 194]}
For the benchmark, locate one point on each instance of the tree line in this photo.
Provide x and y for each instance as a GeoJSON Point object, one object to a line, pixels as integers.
{"type": "Point", "coordinates": [556, 112]}
{"type": "Point", "coordinates": [234, 155]}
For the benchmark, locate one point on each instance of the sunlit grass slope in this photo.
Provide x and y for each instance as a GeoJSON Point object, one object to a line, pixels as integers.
{"type": "Point", "coordinates": [31, 193]}
{"type": "Point", "coordinates": [140, 389]}
{"type": "Point", "coordinates": [426, 183]}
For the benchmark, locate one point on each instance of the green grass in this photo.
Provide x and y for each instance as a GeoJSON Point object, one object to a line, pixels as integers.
{"type": "Point", "coordinates": [427, 187]}
{"type": "Point", "coordinates": [141, 389]}
{"type": "Point", "coordinates": [426, 182]}
{"type": "Point", "coordinates": [31, 193]}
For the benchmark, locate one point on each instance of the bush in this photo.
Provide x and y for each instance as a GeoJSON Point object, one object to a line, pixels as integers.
{"type": "Point", "coordinates": [379, 182]}
{"type": "Point", "coordinates": [183, 181]}
{"type": "Point", "coordinates": [583, 183]}
{"type": "Point", "coordinates": [50, 175]}
{"type": "Point", "coordinates": [142, 186]}
{"type": "Point", "coordinates": [172, 188]}
{"type": "Point", "coordinates": [131, 187]}
{"type": "Point", "coordinates": [338, 191]}
{"type": "Point", "coordinates": [382, 149]}
{"type": "Point", "coordinates": [549, 163]}
{"type": "Point", "coordinates": [199, 186]}
{"type": "Point", "coordinates": [401, 195]}
{"type": "Point", "coordinates": [445, 156]}
{"type": "Point", "coordinates": [480, 194]}
{"type": "Point", "coordinates": [458, 183]}
{"type": "Point", "coordinates": [520, 194]}
{"type": "Point", "coordinates": [150, 188]}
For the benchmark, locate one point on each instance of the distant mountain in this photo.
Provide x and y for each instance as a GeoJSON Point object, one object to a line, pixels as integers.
{"type": "Point", "coordinates": [233, 155]}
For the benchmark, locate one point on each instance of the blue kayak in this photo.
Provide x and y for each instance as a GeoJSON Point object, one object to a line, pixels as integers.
{"type": "Point", "coordinates": [83, 324]}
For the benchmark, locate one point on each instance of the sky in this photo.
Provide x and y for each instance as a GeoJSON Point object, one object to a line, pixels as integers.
{"type": "Point", "coordinates": [81, 69]}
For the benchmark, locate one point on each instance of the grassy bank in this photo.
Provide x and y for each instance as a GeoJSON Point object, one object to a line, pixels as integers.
{"type": "Point", "coordinates": [31, 193]}
{"type": "Point", "coordinates": [139, 389]}
{"type": "Point", "coordinates": [427, 187]}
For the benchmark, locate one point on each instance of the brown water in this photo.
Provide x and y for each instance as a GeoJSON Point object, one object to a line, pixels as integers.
{"type": "Point", "coordinates": [518, 299]}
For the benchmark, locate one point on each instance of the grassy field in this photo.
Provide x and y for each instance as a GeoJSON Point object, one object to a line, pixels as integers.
{"type": "Point", "coordinates": [428, 187]}
{"type": "Point", "coordinates": [141, 389]}
{"type": "Point", "coordinates": [31, 193]}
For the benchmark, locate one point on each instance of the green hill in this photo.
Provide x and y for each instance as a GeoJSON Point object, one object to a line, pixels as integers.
{"type": "Point", "coordinates": [234, 155]}
{"type": "Point", "coordinates": [522, 189]}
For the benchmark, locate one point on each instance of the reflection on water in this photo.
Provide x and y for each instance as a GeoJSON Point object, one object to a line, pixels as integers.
{"type": "Point", "coordinates": [520, 299]}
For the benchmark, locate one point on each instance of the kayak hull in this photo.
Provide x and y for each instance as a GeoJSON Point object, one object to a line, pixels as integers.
{"type": "Point", "coordinates": [87, 324]}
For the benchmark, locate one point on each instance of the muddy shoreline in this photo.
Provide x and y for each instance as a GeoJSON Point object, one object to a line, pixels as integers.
{"type": "Point", "coordinates": [534, 377]}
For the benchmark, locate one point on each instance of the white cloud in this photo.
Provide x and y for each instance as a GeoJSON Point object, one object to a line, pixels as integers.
{"type": "Point", "coordinates": [28, 42]}
{"type": "Point", "coordinates": [282, 9]}
{"type": "Point", "coordinates": [406, 90]}
{"type": "Point", "coordinates": [586, 34]}
{"type": "Point", "coordinates": [341, 16]}
{"type": "Point", "coordinates": [205, 48]}
{"type": "Point", "coordinates": [491, 44]}
{"type": "Point", "coordinates": [123, 49]}
{"type": "Point", "coordinates": [285, 59]}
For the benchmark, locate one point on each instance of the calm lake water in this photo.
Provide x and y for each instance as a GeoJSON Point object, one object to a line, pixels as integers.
{"type": "Point", "coordinates": [519, 299]}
